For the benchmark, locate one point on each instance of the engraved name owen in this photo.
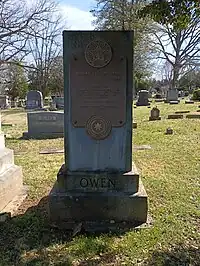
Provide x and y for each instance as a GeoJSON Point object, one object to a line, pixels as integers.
{"type": "Point", "coordinates": [97, 183]}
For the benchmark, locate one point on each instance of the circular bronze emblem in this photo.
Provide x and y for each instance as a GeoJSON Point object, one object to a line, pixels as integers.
{"type": "Point", "coordinates": [98, 53]}
{"type": "Point", "coordinates": [98, 128]}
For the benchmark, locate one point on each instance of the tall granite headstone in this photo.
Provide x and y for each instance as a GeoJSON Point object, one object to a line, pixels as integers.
{"type": "Point", "coordinates": [11, 184]}
{"type": "Point", "coordinates": [34, 100]}
{"type": "Point", "coordinates": [98, 186]}
{"type": "Point", "coordinates": [143, 99]}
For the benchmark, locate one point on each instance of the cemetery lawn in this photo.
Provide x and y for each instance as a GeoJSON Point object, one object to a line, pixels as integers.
{"type": "Point", "coordinates": [170, 172]}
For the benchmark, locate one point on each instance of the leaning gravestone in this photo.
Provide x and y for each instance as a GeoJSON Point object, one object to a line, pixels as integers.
{"type": "Point", "coordinates": [45, 125]}
{"type": "Point", "coordinates": [34, 100]}
{"type": "Point", "coordinates": [11, 183]}
{"type": "Point", "coordinates": [143, 99]}
{"type": "Point", "coordinates": [99, 186]}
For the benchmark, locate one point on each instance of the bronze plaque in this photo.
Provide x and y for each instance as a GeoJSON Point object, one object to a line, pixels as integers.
{"type": "Point", "coordinates": [98, 88]}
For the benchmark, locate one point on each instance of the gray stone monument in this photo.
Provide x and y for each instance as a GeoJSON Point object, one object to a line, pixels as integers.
{"type": "Point", "coordinates": [11, 183]}
{"type": "Point", "coordinates": [34, 100]}
{"type": "Point", "coordinates": [172, 96]}
{"type": "Point", "coordinates": [59, 101]}
{"type": "Point", "coordinates": [143, 99]}
{"type": "Point", "coordinates": [45, 125]}
{"type": "Point", "coordinates": [98, 187]}
{"type": "Point", "coordinates": [155, 114]}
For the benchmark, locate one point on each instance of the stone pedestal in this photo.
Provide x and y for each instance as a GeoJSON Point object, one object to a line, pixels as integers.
{"type": "Point", "coordinates": [97, 199]}
{"type": "Point", "coordinates": [11, 183]}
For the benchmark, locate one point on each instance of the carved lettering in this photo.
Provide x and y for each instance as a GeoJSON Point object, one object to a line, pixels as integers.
{"type": "Point", "coordinates": [97, 183]}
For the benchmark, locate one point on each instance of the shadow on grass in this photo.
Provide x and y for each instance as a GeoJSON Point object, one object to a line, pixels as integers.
{"type": "Point", "coordinates": [180, 255]}
{"type": "Point", "coordinates": [24, 239]}
{"type": "Point", "coordinates": [28, 239]}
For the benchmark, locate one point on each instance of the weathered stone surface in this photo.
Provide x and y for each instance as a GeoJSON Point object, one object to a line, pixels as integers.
{"type": "Point", "coordinates": [16, 201]}
{"type": "Point", "coordinates": [45, 125]}
{"type": "Point", "coordinates": [98, 182]}
{"type": "Point", "coordinates": [97, 207]}
{"type": "Point", "coordinates": [10, 185]}
{"type": "Point", "coordinates": [98, 187]}
{"type": "Point", "coordinates": [6, 159]}
{"type": "Point", "coordinates": [175, 116]}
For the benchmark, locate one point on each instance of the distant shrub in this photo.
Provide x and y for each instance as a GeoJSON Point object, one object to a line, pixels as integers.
{"type": "Point", "coordinates": [196, 94]}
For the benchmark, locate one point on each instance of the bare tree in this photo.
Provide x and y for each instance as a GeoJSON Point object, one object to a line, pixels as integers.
{"type": "Point", "coordinates": [179, 47]}
{"type": "Point", "coordinates": [18, 21]}
{"type": "Point", "coordinates": [44, 46]}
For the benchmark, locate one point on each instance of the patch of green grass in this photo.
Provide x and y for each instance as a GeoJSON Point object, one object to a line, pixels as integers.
{"type": "Point", "coordinates": [170, 173]}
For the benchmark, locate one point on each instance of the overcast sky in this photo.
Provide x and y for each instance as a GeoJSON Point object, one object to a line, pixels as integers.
{"type": "Point", "coordinates": [77, 13]}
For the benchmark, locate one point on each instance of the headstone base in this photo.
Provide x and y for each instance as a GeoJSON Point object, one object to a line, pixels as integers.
{"type": "Point", "coordinates": [154, 119]}
{"type": "Point", "coordinates": [50, 135]}
{"type": "Point", "coordinates": [98, 210]}
{"type": "Point", "coordinates": [11, 184]}
{"type": "Point", "coordinates": [174, 102]}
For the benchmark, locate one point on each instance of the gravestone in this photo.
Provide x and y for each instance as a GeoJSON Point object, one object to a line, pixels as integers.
{"type": "Point", "coordinates": [4, 102]}
{"type": "Point", "coordinates": [45, 125]}
{"type": "Point", "coordinates": [59, 101]}
{"type": "Point", "coordinates": [143, 99]}
{"type": "Point", "coordinates": [98, 186]}
{"type": "Point", "coordinates": [189, 102]}
{"type": "Point", "coordinates": [172, 95]}
{"type": "Point", "coordinates": [13, 104]}
{"type": "Point", "coordinates": [175, 116]}
{"type": "Point", "coordinates": [34, 100]}
{"type": "Point", "coordinates": [155, 114]}
{"type": "Point", "coordinates": [11, 183]}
